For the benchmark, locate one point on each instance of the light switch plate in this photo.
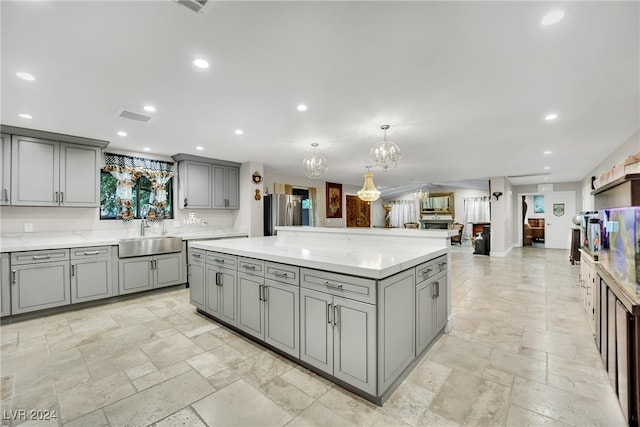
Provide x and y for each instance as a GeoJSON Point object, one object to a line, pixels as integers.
{"type": "Point", "coordinates": [28, 227]}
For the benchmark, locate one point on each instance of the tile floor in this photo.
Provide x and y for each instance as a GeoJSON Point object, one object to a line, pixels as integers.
{"type": "Point", "coordinates": [520, 354]}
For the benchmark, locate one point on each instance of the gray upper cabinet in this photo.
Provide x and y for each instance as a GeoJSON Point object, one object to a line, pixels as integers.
{"type": "Point", "coordinates": [226, 187]}
{"type": "Point", "coordinates": [51, 173]}
{"type": "Point", "coordinates": [205, 183]}
{"type": "Point", "coordinates": [5, 172]}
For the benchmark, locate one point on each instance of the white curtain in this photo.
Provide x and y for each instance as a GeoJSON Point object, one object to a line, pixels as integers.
{"type": "Point", "coordinates": [403, 211]}
{"type": "Point", "coordinates": [476, 209]}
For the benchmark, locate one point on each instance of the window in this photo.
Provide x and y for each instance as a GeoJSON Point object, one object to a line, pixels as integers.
{"type": "Point", "coordinates": [142, 197]}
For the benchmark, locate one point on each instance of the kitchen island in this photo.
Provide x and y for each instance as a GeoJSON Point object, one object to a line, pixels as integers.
{"type": "Point", "coordinates": [359, 309]}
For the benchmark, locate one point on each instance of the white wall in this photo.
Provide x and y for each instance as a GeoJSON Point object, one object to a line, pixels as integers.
{"type": "Point", "coordinates": [502, 217]}
{"type": "Point", "coordinates": [250, 214]}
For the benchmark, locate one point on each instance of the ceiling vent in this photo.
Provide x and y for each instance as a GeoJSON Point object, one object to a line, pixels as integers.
{"type": "Point", "coordinates": [195, 5]}
{"type": "Point", "coordinates": [126, 114]}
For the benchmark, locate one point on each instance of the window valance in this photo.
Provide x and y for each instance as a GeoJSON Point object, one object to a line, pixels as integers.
{"type": "Point", "coordinates": [127, 169]}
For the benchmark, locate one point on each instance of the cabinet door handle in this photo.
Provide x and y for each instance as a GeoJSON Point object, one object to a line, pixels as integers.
{"type": "Point", "coordinates": [335, 315]}
{"type": "Point", "coordinates": [57, 199]}
{"type": "Point", "coordinates": [219, 278]}
{"type": "Point", "coordinates": [265, 293]}
{"type": "Point", "coordinates": [6, 195]}
{"type": "Point", "coordinates": [185, 202]}
{"type": "Point", "coordinates": [41, 257]}
{"type": "Point", "coordinates": [13, 276]}
{"type": "Point", "coordinates": [73, 270]}
{"type": "Point", "coordinates": [260, 293]}
{"type": "Point", "coordinates": [436, 290]}
{"type": "Point", "coordinates": [329, 313]}
{"type": "Point", "coordinates": [62, 197]}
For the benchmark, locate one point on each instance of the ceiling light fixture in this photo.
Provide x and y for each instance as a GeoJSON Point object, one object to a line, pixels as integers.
{"type": "Point", "coordinates": [25, 76]}
{"type": "Point", "coordinates": [122, 133]}
{"type": "Point", "coordinates": [149, 108]}
{"type": "Point", "coordinates": [239, 132]}
{"type": "Point", "coordinates": [551, 116]}
{"type": "Point", "coordinates": [25, 116]}
{"type": "Point", "coordinates": [369, 192]}
{"type": "Point", "coordinates": [301, 107]}
{"type": "Point", "coordinates": [547, 152]}
{"type": "Point", "coordinates": [147, 149]}
{"type": "Point", "coordinates": [199, 148]}
{"type": "Point", "coordinates": [552, 17]}
{"type": "Point", "coordinates": [315, 166]}
{"type": "Point", "coordinates": [201, 63]}
{"type": "Point", "coordinates": [547, 168]}
{"type": "Point", "coordinates": [385, 154]}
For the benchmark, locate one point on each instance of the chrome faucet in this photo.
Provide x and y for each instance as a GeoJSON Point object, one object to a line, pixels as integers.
{"type": "Point", "coordinates": [143, 225]}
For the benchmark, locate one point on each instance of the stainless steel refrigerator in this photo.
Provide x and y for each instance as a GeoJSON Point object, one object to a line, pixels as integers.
{"type": "Point", "coordinates": [281, 209]}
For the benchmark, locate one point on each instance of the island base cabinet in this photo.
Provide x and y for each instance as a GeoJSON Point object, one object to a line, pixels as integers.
{"type": "Point", "coordinates": [282, 317]}
{"type": "Point", "coordinates": [196, 273]}
{"type": "Point", "coordinates": [431, 310]}
{"type": "Point", "coordinates": [221, 294]}
{"type": "Point", "coordinates": [39, 286]}
{"type": "Point", "coordinates": [338, 336]}
{"type": "Point", "coordinates": [251, 304]}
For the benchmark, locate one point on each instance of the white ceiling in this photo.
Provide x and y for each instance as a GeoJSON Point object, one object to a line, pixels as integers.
{"type": "Point", "coordinates": [465, 86]}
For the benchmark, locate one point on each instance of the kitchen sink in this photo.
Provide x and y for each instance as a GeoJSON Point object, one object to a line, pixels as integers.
{"type": "Point", "coordinates": [140, 246]}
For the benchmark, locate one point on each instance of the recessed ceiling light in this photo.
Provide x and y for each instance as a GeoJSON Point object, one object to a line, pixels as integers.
{"type": "Point", "coordinates": [301, 107]}
{"type": "Point", "coordinates": [547, 168]}
{"type": "Point", "coordinates": [201, 63]}
{"type": "Point", "coordinates": [149, 108]}
{"type": "Point", "coordinates": [547, 152]}
{"type": "Point", "coordinates": [25, 116]}
{"type": "Point", "coordinates": [552, 17]}
{"type": "Point", "coordinates": [25, 76]}
{"type": "Point", "coordinates": [147, 149]}
{"type": "Point", "coordinates": [551, 116]}
{"type": "Point", "coordinates": [199, 148]}
{"type": "Point", "coordinates": [239, 132]}
{"type": "Point", "coordinates": [122, 133]}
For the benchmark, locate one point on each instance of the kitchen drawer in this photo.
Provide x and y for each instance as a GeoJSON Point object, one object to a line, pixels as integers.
{"type": "Point", "coordinates": [430, 268]}
{"type": "Point", "coordinates": [222, 260]}
{"type": "Point", "coordinates": [33, 257]}
{"type": "Point", "coordinates": [282, 273]}
{"type": "Point", "coordinates": [251, 266]}
{"type": "Point", "coordinates": [197, 255]}
{"type": "Point", "coordinates": [91, 252]}
{"type": "Point", "coordinates": [356, 288]}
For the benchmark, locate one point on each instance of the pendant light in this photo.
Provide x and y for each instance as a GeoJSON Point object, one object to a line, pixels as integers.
{"type": "Point", "coordinates": [385, 154]}
{"type": "Point", "coordinates": [369, 192]}
{"type": "Point", "coordinates": [315, 166]}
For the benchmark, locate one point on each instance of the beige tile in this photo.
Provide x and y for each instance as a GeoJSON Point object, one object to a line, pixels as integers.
{"type": "Point", "coordinates": [94, 395]}
{"type": "Point", "coordinates": [228, 407]}
{"type": "Point", "coordinates": [318, 415]}
{"type": "Point", "coordinates": [523, 418]}
{"type": "Point", "coordinates": [286, 396]}
{"type": "Point", "coordinates": [113, 363]}
{"type": "Point", "coordinates": [261, 369]}
{"type": "Point", "coordinates": [430, 419]}
{"type": "Point", "coordinates": [207, 341]}
{"type": "Point", "coordinates": [155, 403]}
{"type": "Point", "coordinates": [224, 378]}
{"type": "Point", "coordinates": [350, 407]}
{"type": "Point", "coordinates": [140, 370]}
{"type": "Point", "coordinates": [160, 375]}
{"type": "Point", "coordinates": [310, 383]}
{"type": "Point", "coordinates": [216, 360]}
{"type": "Point", "coordinates": [167, 351]}
{"type": "Point", "coordinates": [518, 364]}
{"type": "Point", "coordinates": [550, 342]}
{"type": "Point", "coordinates": [429, 375]}
{"type": "Point", "coordinates": [94, 419]}
{"type": "Point", "coordinates": [409, 402]}
{"type": "Point", "coordinates": [455, 352]}
{"type": "Point", "coordinates": [184, 417]}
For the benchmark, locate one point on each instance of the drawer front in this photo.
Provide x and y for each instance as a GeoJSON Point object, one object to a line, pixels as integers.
{"type": "Point", "coordinates": [282, 273]}
{"type": "Point", "coordinates": [197, 255]}
{"type": "Point", "coordinates": [222, 260]}
{"type": "Point", "coordinates": [356, 288]}
{"type": "Point", "coordinates": [91, 252]}
{"type": "Point", "coordinates": [430, 268]}
{"type": "Point", "coordinates": [33, 257]}
{"type": "Point", "coordinates": [251, 266]}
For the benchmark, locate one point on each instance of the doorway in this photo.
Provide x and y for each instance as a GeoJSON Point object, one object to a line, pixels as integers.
{"type": "Point", "coordinates": [545, 219]}
{"type": "Point", "coordinates": [306, 203]}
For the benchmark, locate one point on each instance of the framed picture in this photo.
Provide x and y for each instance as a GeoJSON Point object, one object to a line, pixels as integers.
{"type": "Point", "coordinates": [334, 200]}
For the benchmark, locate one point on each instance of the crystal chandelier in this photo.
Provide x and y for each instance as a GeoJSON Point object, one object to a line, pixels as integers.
{"type": "Point", "coordinates": [385, 154]}
{"type": "Point", "coordinates": [314, 164]}
{"type": "Point", "coordinates": [369, 192]}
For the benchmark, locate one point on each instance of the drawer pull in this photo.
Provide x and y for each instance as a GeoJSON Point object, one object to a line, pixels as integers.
{"type": "Point", "coordinates": [281, 273]}
{"type": "Point", "coordinates": [442, 264]}
{"type": "Point", "coordinates": [249, 267]}
{"type": "Point", "coordinates": [219, 260]}
{"type": "Point", "coordinates": [196, 255]}
{"type": "Point", "coordinates": [426, 271]}
{"type": "Point", "coordinates": [36, 257]}
{"type": "Point", "coordinates": [91, 252]}
{"type": "Point", "coordinates": [333, 285]}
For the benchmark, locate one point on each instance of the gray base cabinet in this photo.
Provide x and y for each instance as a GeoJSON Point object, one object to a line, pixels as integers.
{"type": "Point", "coordinates": [251, 304]}
{"type": "Point", "coordinates": [91, 273]}
{"type": "Point", "coordinates": [149, 272]}
{"type": "Point", "coordinates": [281, 316]}
{"type": "Point", "coordinates": [40, 279]}
{"type": "Point", "coordinates": [196, 278]}
{"type": "Point", "coordinates": [430, 301]}
{"type": "Point", "coordinates": [5, 285]}
{"type": "Point", "coordinates": [221, 293]}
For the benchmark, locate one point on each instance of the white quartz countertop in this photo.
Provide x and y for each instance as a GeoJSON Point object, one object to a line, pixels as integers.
{"type": "Point", "coordinates": [377, 231]}
{"type": "Point", "coordinates": [372, 258]}
{"type": "Point", "coordinates": [17, 242]}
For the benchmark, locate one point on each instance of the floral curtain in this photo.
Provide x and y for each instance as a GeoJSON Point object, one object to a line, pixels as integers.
{"type": "Point", "coordinates": [127, 170]}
